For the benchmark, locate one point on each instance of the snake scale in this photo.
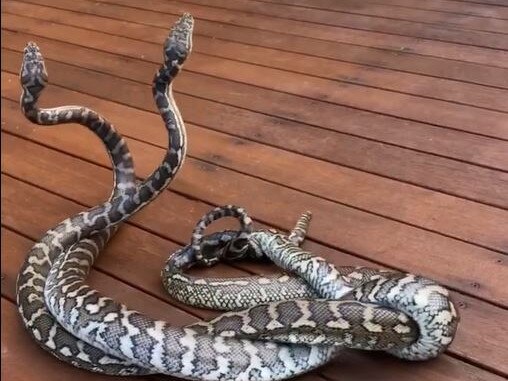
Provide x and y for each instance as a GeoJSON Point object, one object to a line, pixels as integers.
{"type": "Point", "coordinates": [277, 327]}
{"type": "Point", "coordinates": [127, 198]}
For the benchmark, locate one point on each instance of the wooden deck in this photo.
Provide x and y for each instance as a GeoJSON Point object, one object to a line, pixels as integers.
{"type": "Point", "coordinates": [387, 118]}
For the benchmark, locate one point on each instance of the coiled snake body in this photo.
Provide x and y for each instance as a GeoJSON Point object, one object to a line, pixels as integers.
{"type": "Point", "coordinates": [418, 320]}
{"type": "Point", "coordinates": [126, 199]}
{"type": "Point", "coordinates": [270, 339]}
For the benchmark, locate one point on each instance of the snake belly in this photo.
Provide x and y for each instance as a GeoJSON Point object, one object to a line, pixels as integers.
{"type": "Point", "coordinates": [99, 222]}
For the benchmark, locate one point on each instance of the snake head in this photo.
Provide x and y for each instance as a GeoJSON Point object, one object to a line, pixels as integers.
{"type": "Point", "coordinates": [33, 78]}
{"type": "Point", "coordinates": [33, 75]}
{"type": "Point", "coordinates": [178, 45]}
{"type": "Point", "coordinates": [214, 247]}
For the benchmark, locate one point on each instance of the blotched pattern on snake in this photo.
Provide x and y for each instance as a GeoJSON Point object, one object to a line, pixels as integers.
{"type": "Point", "coordinates": [108, 337]}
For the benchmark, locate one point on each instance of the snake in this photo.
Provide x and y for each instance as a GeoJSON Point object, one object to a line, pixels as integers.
{"type": "Point", "coordinates": [86, 231]}
{"type": "Point", "coordinates": [252, 344]}
{"type": "Point", "coordinates": [269, 341]}
{"type": "Point", "coordinates": [96, 226]}
{"type": "Point", "coordinates": [428, 315]}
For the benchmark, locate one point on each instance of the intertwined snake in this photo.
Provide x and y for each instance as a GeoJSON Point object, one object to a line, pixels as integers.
{"type": "Point", "coordinates": [409, 316]}
{"type": "Point", "coordinates": [272, 338]}
{"type": "Point", "coordinates": [96, 223]}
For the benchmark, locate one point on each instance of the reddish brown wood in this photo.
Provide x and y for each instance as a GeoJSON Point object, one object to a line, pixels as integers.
{"type": "Point", "coordinates": [334, 217]}
{"type": "Point", "coordinates": [352, 95]}
{"type": "Point", "coordinates": [266, 131]}
{"type": "Point", "coordinates": [374, 126]}
{"type": "Point", "coordinates": [449, 20]}
{"type": "Point", "coordinates": [360, 22]}
{"type": "Point", "coordinates": [136, 267]}
{"type": "Point", "coordinates": [373, 57]}
{"type": "Point", "coordinates": [66, 139]}
{"type": "Point", "coordinates": [459, 92]}
{"type": "Point", "coordinates": [465, 8]}
{"type": "Point", "coordinates": [488, 191]}
{"type": "Point", "coordinates": [328, 33]}
{"type": "Point", "coordinates": [424, 208]}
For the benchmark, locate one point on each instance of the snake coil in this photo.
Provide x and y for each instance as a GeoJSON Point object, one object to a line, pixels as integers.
{"type": "Point", "coordinates": [277, 327]}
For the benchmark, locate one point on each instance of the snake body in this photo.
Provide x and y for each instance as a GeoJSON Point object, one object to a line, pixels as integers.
{"type": "Point", "coordinates": [424, 328]}
{"type": "Point", "coordinates": [127, 198]}
{"type": "Point", "coordinates": [230, 346]}
{"type": "Point", "coordinates": [330, 308]}
{"type": "Point", "coordinates": [175, 351]}
{"type": "Point", "coordinates": [30, 284]}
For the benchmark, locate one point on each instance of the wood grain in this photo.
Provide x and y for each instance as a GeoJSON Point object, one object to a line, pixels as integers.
{"type": "Point", "coordinates": [387, 118]}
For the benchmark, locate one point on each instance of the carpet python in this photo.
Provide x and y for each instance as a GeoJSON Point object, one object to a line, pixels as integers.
{"type": "Point", "coordinates": [294, 327]}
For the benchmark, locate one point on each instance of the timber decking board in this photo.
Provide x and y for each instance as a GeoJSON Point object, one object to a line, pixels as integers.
{"type": "Point", "coordinates": [401, 13]}
{"type": "Point", "coordinates": [324, 32]}
{"type": "Point", "coordinates": [387, 118]}
{"type": "Point", "coordinates": [489, 188]}
{"type": "Point", "coordinates": [357, 22]}
{"type": "Point", "coordinates": [358, 183]}
{"type": "Point", "coordinates": [403, 106]}
{"type": "Point", "coordinates": [424, 86]}
{"type": "Point", "coordinates": [476, 264]}
{"type": "Point", "coordinates": [373, 57]}
{"type": "Point", "coordinates": [382, 129]}
{"type": "Point", "coordinates": [154, 222]}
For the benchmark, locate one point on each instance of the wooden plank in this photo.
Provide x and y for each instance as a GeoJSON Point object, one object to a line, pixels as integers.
{"type": "Point", "coordinates": [391, 103]}
{"type": "Point", "coordinates": [429, 87]}
{"type": "Point", "coordinates": [434, 211]}
{"type": "Point", "coordinates": [450, 177]}
{"type": "Point", "coordinates": [486, 2]}
{"type": "Point", "coordinates": [22, 201]}
{"type": "Point", "coordinates": [475, 271]}
{"type": "Point", "coordinates": [372, 57]}
{"type": "Point", "coordinates": [265, 162]}
{"type": "Point", "coordinates": [349, 366]}
{"type": "Point", "coordinates": [454, 7]}
{"type": "Point", "coordinates": [485, 348]}
{"type": "Point", "coordinates": [323, 32]}
{"type": "Point", "coordinates": [449, 143]}
{"type": "Point", "coordinates": [360, 22]}
{"type": "Point", "coordinates": [448, 20]}
{"type": "Point", "coordinates": [489, 184]}
{"type": "Point", "coordinates": [154, 307]}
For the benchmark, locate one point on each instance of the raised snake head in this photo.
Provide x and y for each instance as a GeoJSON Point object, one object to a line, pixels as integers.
{"type": "Point", "coordinates": [178, 45]}
{"type": "Point", "coordinates": [33, 75]}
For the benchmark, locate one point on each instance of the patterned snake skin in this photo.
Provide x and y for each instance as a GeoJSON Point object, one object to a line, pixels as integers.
{"type": "Point", "coordinates": [98, 223]}
{"type": "Point", "coordinates": [153, 346]}
{"type": "Point", "coordinates": [424, 326]}
{"type": "Point", "coordinates": [409, 316]}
